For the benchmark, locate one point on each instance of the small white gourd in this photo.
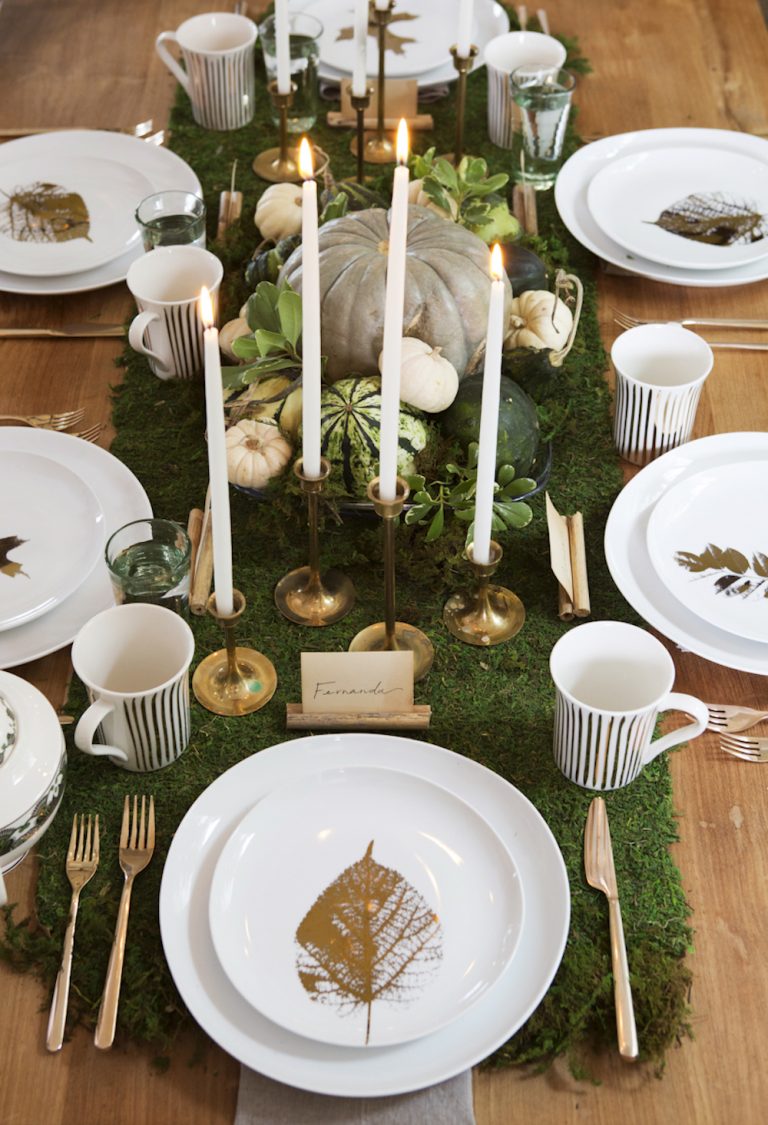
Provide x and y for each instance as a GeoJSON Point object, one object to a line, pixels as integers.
{"type": "Point", "coordinates": [232, 331]}
{"type": "Point", "coordinates": [419, 197]}
{"type": "Point", "coordinates": [428, 380]}
{"type": "Point", "coordinates": [256, 453]}
{"type": "Point", "coordinates": [540, 320]}
{"type": "Point", "coordinates": [278, 212]}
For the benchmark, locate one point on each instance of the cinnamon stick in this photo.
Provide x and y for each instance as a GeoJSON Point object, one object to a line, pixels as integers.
{"type": "Point", "coordinates": [202, 575]}
{"type": "Point", "coordinates": [194, 531]}
{"type": "Point", "coordinates": [581, 605]}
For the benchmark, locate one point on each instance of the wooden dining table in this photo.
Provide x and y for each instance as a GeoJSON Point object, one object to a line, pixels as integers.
{"type": "Point", "coordinates": [655, 63]}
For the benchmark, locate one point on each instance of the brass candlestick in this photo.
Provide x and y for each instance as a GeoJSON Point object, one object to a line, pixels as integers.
{"type": "Point", "coordinates": [463, 65]}
{"type": "Point", "coordinates": [390, 635]}
{"type": "Point", "coordinates": [488, 614]}
{"type": "Point", "coordinates": [234, 680]}
{"type": "Point", "coordinates": [278, 165]}
{"type": "Point", "coordinates": [380, 149]}
{"type": "Point", "coordinates": [360, 103]}
{"type": "Point", "coordinates": [305, 596]}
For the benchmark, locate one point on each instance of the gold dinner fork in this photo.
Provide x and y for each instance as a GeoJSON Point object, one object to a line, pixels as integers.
{"type": "Point", "coordinates": [746, 747]}
{"type": "Point", "coordinates": [82, 861]}
{"type": "Point", "coordinates": [61, 421]}
{"type": "Point", "coordinates": [624, 320]}
{"type": "Point", "coordinates": [733, 720]}
{"type": "Point", "coordinates": [92, 433]}
{"type": "Point", "coordinates": [137, 843]}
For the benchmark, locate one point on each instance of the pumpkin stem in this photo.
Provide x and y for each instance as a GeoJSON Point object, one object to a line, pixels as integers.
{"type": "Point", "coordinates": [383, 247]}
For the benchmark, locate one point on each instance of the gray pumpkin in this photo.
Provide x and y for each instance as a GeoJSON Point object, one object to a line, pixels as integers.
{"type": "Point", "coordinates": [446, 290]}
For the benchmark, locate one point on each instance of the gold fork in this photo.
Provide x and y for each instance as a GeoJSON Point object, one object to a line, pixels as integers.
{"type": "Point", "coordinates": [624, 320]}
{"type": "Point", "coordinates": [745, 747]}
{"type": "Point", "coordinates": [733, 720]}
{"type": "Point", "coordinates": [92, 433]}
{"type": "Point", "coordinates": [82, 861]}
{"type": "Point", "coordinates": [137, 843]}
{"type": "Point", "coordinates": [61, 421]}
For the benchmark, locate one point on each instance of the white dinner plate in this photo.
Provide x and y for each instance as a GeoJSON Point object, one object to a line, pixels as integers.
{"type": "Point", "coordinates": [489, 20]}
{"type": "Point", "coordinates": [632, 199]}
{"type": "Point", "coordinates": [629, 562]}
{"type": "Point", "coordinates": [162, 170]}
{"type": "Point", "coordinates": [265, 1046]}
{"type": "Point", "coordinates": [708, 541]}
{"type": "Point", "coordinates": [575, 176]}
{"type": "Point", "coordinates": [62, 215]}
{"type": "Point", "coordinates": [57, 527]}
{"type": "Point", "coordinates": [121, 499]}
{"type": "Point", "coordinates": [388, 906]}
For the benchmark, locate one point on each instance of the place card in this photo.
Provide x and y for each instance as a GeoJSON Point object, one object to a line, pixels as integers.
{"type": "Point", "coordinates": [360, 690]}
{"type": "Point", "coordinates": [569, 562]}
{"type": "Point", "coordinates": [402, 96]}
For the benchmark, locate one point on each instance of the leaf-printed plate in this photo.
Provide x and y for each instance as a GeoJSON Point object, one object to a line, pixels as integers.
{"type": "Point", "coordinates": [60, 215]}
{"type": "Point", "coordinates": [708, 542]}
{"type": "Point", "coordinates": [637, 199]}
{"type": "Point", "coordinates": [364, 907]}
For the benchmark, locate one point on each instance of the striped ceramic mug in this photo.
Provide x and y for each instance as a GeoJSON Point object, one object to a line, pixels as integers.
{"type": "Point", "coordinates": [502, 55]}
{"type": "Point", "coordinates": [134, 661]}
{"type": "Point", "coordinates": [613, 681]}
{"type": "Point", "coordinates": [220, 76]}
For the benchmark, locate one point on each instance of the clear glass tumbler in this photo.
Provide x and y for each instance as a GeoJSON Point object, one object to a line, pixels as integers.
{"type": "Point", "coordinates": [171, 218]}
{"type": "Point", "coordinates": [304, 44]}
{"type": "Point", "coordinates": [543, 94]}
{"type": "Point", "coordinates": [148, 561]}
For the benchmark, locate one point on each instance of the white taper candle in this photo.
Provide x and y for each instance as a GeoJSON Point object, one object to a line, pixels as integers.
{"type": "Point", "coordinates": [282, 47]}
{"type": "Point", "coordinates": [310, 318]}
{"type": "Point", "coordinates": [217, 461]}
{"type": "Point", "coordinates": [360, 71]}
{"type": "Point", "coordinates": [489, 414]}
{"type": "Point", "coordinates": [464, 33]}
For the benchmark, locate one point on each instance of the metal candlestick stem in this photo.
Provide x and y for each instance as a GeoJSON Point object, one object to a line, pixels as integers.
{"type": "Point", "coordinates": [278, 165]}
{"type": "Point", "coordinates": [380, 149]}
{"type": "Point", "coordinates": [305, 596]}
{"type": "Point", "coordinates": [390, 635]}
{"type": "Point", "coordinates": [234, 680]}
{"type": "Point", "coordinates": [488, 614]}
{"type": "Point", "coordinates": [463, 65]}
{"type": "Point", "coordinates": [360, 103]}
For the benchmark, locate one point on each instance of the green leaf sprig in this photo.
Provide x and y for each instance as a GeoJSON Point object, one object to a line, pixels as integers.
{"type": "Point", "coordinates": [274, 316]}
{"type": "Point", "coordinates": [468, 194]}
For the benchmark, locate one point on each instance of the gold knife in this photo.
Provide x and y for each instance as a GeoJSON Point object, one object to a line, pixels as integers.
{"type": "Point", "coordinates": [71, 330]}
{"type": "Point", "coordinates": [601, 874]}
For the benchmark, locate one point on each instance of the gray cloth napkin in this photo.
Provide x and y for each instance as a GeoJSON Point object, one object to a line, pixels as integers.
{"type": "Point", "coordinates": [261, 1101]}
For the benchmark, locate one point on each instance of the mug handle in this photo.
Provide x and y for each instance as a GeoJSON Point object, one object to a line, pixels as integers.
{"type": "Point", "coordinates": [3, 892]}
{"type": "Point", "coordinates": [86, 729]}
{"type": "Point", "coordinates": [676, 701]}
{"type": "Point", "coordinates": [180, 75]}
{"type": "Point", "coordinates": [139, 326]}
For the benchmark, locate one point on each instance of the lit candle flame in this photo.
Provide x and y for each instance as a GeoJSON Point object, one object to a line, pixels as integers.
{"type": "Point", "coordinates": [306, 168]}
{"type": "Point", "coordinates": [206, 308]}
{"type": "Point", "coordinates": [401, 148]}
{"type": "Point", "coordinates": [497, 263]}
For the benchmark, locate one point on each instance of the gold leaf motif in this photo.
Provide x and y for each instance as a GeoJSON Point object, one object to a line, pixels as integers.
{"type": "Point", "coordinates": [713, 218]}
{"type": "Point", "coordinates": [392, 42]}
{"type": "Point", "coordinates": [369, 936]}
{"type": "Point", "coordinates": [44, 213]}
{"type": "Point", "coordinates": [735, 579]}
{"type": "Point", "coordinates": [8, 544]}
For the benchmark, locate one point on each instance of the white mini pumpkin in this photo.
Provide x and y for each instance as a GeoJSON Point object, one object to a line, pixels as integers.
{"type": "Point", "coordinates": [256, 453]}
{"type": "Point", "coordinates": [233, 330]}
{"type": "Point", "coordinates": [416, 195]}
{"type": "Point", "coordinates": [428, 380]}
{"type": "Point", "coordinates": [278, 212]}
{"type": "Point", "coordinates": [540, 320]}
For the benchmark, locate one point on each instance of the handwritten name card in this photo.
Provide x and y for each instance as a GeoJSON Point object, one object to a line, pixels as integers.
{"type": "Point", "coordinates": [356, 681]}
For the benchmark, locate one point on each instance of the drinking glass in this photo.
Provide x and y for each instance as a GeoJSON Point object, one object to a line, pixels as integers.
{"type": "Point", "coordinates": [171, 218]}
{"type": "Point", "coordinates": [304, 45]}
{"type": "Point", "coordinates": [148, 561]}
{"type": "Point", "coordinates": [543, 94]}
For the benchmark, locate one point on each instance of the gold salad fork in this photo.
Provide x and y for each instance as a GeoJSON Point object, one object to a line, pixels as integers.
{"type": "Point", "coordinates": [61, 421]}
{"type": "Point", "coordinates": [733, 720]}
{"type": "Point", "coordinates": [624, 320]}
{"type": "Point", "coordinates": [82, 861]}
{"type": "Point", "coordinates": [744, 746]}
{"type": "Point", "coordinates": [137, 843]}
{"type": "Point", "coordinates": [91, 433]}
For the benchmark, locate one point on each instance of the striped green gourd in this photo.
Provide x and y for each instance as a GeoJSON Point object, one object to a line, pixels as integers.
{"type": "Point", "coordinates": [350, 420]}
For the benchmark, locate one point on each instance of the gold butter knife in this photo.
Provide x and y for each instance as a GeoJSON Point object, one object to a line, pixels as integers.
{"type": "Point", "coordinates": [601, 874]}
{"type": "Point", "coordinates": [71, 330]}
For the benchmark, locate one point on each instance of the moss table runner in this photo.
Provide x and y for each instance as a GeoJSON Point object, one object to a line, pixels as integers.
{"type": "Point", "coordinates": [494, 706]}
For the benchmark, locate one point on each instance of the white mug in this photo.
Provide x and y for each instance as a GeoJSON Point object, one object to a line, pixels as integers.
{"type": "Point", "coordinates": [134, 661]}
{"type": "Point", "coordinates": [504, 54]}
{"type": "Point", "coordinates": [613, 681]}
{"type": "Point", "coordinates": [220, 77]}
{"type": "Point", "coordinates": [660, 370]}
{"type": "Point", "coordinates": [166, 286]}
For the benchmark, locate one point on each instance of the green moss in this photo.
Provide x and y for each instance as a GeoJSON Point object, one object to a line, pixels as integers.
{"type": "Point", "coordinates": [160, 435]}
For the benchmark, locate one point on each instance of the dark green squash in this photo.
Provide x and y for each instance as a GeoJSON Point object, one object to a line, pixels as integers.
{"type": "Point", "coordinates": [524, 269]}
{"type": "Point", "coordinates": [518, 434]}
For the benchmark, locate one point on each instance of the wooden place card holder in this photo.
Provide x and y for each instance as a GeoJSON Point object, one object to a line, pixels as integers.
{"type": "Point", "coordinates": [402, 95]}
{"type": "Point", "coordinates": [357, 691]}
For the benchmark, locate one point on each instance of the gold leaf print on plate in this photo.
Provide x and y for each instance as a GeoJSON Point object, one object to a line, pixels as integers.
{"type": "Point", "coordinates": [7, 566]}
{"type": "Point", "coordinates": [44, 213]}
{"type": "Point", "coordinates": [392, 42]}
{"type": "Point", "coordinates": [735, 575]}
{"type": "Point", "coordinates": [713, 218]}
{"type": "Point", "coordinates": [369, 936]}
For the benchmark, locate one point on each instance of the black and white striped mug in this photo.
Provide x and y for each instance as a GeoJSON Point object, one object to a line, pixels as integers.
{"type": "Point", "coordinates": [166, 286]}
{"type": "Point", "coordinates": [613, 681]}
{"type": "Point", "coordinates": [220, 75]}
{"type": "Point", "coordinates": [134, 661]}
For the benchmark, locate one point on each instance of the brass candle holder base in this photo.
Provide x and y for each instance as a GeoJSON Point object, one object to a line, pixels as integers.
{"type": "Point", "coordinates": [305, 596]}
{"type": "Point", "coordinates": [279, 165]}
{"type": "Point", "coordinates": [234, 680]}
{"type": "Point", "coordinates": [390, 635]}
{"type": "Point", "coordinates": [463, 64]}
{"type": "Point", "coordinates": [487, 615]}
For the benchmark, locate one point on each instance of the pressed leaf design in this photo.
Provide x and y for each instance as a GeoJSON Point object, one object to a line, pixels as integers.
{"type": "Point", "coordinates": [369, 936]}
{"type": "Point", "coordinates": [42, 212]}
{"type": "Point", "coordinates": [735, 574]}
{"type": "Point", "coordinates": [714, 218]}
{"type": "Point", "coordinates": [7, 566]}
{"type": "Point", "coordinates": [392, 41]}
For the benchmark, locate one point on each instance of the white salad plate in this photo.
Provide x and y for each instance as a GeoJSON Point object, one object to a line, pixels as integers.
{"type": "Point", "coordinates": [629, 561]}
{"type": "Point", "coordinates": [388, 906]}
{"type": "Point", "coordinates": [629, 196]}
{"type": "Point", "coordinates": [435, 25]}
{"type": "Point", "coordinates": [708, 541]}
{"type": "Point", "coordinates": [61, 215]}
{"type": "Point", "coordinates": [323, 1068]}
{"type": "Point", "coordinates": [160, 168]}
{"type": "Point", "coordinates": [121, 499]}
{"type": "Point", "coordinates": [58, 526]}
{"type": "Point", "coordinates": [574, 178]}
